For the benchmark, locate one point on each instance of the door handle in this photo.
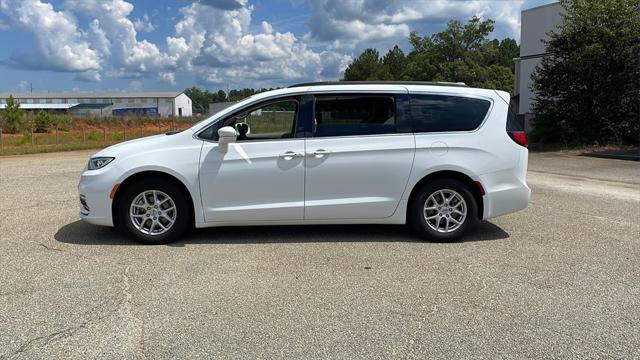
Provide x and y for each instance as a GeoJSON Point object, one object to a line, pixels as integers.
{"type": "Point", "coordinates": [320, 153]}
{"type": "Point", "coordinates": [289, 155]}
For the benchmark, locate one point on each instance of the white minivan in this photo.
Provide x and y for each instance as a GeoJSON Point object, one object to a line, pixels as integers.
{"type": "Point", "coordinates": [438, 156]}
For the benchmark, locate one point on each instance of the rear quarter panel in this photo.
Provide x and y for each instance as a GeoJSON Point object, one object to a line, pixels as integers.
{"type": "Point", "coordinates": [486, 154]}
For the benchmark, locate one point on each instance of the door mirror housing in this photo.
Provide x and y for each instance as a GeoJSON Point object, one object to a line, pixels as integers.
{"type": "Point", "coordinates": [226, 135]}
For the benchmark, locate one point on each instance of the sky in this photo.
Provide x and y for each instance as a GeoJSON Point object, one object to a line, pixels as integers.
{"type": "Point", "coordinates": [167, 45]}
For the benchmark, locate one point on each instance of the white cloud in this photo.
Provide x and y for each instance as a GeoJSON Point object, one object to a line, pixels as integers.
{"type": "Point", "coordinates": [61, 45]}
{"type": "Point", "coordinates": [266, 27]}
{"type": "Point", "coordinates": [226, 51]}
{"type": "Point", "coordinates": [88, 76]}
{"type": "Point", "coordinates": [127, 52]}
{"type": "Point", "coordinates": [144, 24]}
{"type": "Point", "coordinates": [168, 77]}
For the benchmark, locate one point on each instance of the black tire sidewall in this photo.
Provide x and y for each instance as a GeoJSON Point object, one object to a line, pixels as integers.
{"type": "Point", "coordinates": [418, 221]}
{"type": "Point", "coordinates": [182, 217]}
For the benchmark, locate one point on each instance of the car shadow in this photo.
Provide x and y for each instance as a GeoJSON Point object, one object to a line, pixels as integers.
{"type": "Point", "coordinates": [81, 233]}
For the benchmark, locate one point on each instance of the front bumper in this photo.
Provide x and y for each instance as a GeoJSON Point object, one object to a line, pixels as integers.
{"type": "Point", "coordinates": [94, 188]}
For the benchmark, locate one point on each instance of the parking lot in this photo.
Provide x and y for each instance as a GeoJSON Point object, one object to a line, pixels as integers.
{"type": "Point", "coordinates": [559, 279]}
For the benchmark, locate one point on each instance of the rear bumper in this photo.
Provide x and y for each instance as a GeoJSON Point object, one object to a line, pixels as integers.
{"type": "Point", "coordinates": [506, 199]}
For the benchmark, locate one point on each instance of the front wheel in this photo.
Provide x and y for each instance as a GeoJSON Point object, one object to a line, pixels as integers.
{"type": "Point", "coordinates": [154, 211]}
{"type": "Point", "coordinates": [443, 210]}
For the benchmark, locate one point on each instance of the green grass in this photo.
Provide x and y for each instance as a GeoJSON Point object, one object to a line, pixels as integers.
{"type": "Point", "coordinates": [68, 140]}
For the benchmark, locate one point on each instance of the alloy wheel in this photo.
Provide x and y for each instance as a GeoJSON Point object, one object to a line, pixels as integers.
{"type": "Point", "coordinates": [445, 210]}
{"type": "Point", "coordinates": [153, 212]}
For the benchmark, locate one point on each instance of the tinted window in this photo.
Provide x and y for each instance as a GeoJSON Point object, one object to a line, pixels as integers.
{"type": "Point", "coordinates": [354, 115]}
{"type": "Point", "coordinates": [274, 120]}
{"type": "Point", "coordinates": [446, 113]}
{"type": "Point", "coordinates": [514, 123]}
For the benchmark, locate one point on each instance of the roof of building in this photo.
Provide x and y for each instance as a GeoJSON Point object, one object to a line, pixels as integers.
{"type": "Point", "coordinates": [84, 95]}
{"type": "Point", "coordinates": [43, 106]}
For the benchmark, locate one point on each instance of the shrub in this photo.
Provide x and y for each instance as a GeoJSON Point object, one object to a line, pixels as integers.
{"type": "Point", "coordinates": [42, 122]}
{"type": "Point", "coordinates": [63, 122]}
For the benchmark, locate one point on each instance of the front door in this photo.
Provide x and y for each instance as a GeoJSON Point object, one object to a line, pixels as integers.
{"type": "Point", "coordinates": [358, 160]}
{"type": "Point", "coordinates": [261, 176]}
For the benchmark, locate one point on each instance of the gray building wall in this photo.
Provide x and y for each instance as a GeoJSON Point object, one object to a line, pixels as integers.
{"type": "Point", "coordinates": [536, 23]}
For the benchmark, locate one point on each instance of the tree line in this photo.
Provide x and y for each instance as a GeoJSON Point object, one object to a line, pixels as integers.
{"type": "Point", "coordinates": [460, 53]}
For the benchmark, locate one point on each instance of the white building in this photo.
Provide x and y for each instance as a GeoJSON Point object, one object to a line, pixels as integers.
{"type": "Point", "coordinates": [105, 103]}
{"type": "Point", "coordinates": [536, 23]}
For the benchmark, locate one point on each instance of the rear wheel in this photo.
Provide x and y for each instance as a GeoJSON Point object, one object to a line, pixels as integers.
{"type": "Point", "coordinates": [443, 210]}
{"type": "Point", "coordinates": [154, 211]}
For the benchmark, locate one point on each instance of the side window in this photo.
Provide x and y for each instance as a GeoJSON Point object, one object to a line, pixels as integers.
{"type": "Point", "coordinates": [275, 120]}
{"type": "Point", "coordinates": [430, 113]}
{"type": "Point", "coordinates": [514, 123]}
{"type": "Point", "coordinates": [354, 115]}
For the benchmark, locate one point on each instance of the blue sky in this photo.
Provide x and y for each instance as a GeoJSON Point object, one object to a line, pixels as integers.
{"type": "Point", "coordinates": [163, 45]}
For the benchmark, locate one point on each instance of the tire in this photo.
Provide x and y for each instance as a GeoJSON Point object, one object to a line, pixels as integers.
{"type": "Point", "coordinates": [429, 203]}
{"type": "Point", "coordinates": [145, 222]}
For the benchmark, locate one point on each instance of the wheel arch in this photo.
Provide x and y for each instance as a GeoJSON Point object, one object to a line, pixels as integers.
{"type": "Point", "coordinates": [155, 174]}
{"type": "Point", "coordinates": [449, 174]}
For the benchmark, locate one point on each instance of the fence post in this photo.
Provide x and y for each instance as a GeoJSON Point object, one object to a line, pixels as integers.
{"type": "Point", "coordinates": [33, 140]}
{"type": "Point", "coordinates": [57, 140]}
{"type": "Point", "coordinates": [84, 138]}
{"type": "Point", "coordinates": [1, 142]}
{"type": "Point", "coordinates": [104, 133]}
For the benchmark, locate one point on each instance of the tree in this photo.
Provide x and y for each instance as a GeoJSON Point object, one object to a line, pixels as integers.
{"type": "Point", "coordinates": [199, 98]}
{"type": "Point", "coordinates": [587, 90]}
{"type": "Point", "coordinates": [462, 52]}
{"type": "Point", "coordinates": [42, 122]}
{"type": "Point", "coordinates": [367, 66]}
{"type": "Point", "coordinates": [395, 63]}
{"type": "Point", "coordinates": [13, 116]}
{"type": "Point", "coordinates": [508, 50]}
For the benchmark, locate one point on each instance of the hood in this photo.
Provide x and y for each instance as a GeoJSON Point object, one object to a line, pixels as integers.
{"type": "Point", "coordinates": [140, 145]}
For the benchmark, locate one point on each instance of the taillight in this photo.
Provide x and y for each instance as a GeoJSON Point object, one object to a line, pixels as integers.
{"type": "Point", "coordinates": [520, 137]}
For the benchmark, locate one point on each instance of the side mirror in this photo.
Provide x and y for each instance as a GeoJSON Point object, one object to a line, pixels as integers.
{"type": "Point", "coordinates": [226, 135]}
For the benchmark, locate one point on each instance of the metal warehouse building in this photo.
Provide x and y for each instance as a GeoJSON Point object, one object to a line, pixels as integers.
{"type": "Point", "coordinates": [535, 25]}
{"type": "Point", "coordinates": [105, 103]}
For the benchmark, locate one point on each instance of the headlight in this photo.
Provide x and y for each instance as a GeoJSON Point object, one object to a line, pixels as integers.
{"type": "Point", "coordinates": [99, 162]}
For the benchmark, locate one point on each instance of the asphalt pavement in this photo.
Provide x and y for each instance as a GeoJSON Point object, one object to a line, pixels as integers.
{"type": "Point", "coordinates": [557, 280]}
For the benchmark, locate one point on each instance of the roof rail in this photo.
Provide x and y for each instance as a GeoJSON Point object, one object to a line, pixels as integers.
{"type": "Point", "coordinates": [381, 82]}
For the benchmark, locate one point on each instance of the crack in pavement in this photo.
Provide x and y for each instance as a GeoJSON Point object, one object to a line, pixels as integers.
{"type": "Point", "coordinates": [45, 340]}
{"type": "Point", "coordinates": [133, 329]}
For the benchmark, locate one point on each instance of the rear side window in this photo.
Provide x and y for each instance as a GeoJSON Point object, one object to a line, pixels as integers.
{"type": "Point", "coordinates": [514, 123]}
{"type": "Point", "coordinates": [430, 113]}
{"type": "Point", "coordinates": [354, 115]}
